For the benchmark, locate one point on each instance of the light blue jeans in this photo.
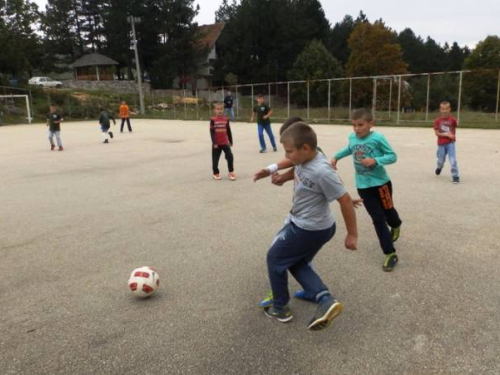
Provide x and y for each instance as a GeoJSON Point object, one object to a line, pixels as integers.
{"type": "Point", "coordinates": [229, 112]}
{"type": "Point", "coordinates": [50, 136]}
{"type": "Point", "coordinates": [448, 149]}
{"type": "Point", "coordinates": [269, 131]}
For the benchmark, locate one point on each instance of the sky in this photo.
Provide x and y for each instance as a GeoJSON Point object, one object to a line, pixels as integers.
{"type": "Point", "coordinates": [463, 21]}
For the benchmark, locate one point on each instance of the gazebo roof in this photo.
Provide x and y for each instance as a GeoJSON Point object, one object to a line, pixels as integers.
{"type": "Point", "coordinates": [93, 59]}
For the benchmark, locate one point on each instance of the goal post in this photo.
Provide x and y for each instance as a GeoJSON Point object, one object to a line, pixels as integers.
{"type": "Point", "coordinates": [7, 102]}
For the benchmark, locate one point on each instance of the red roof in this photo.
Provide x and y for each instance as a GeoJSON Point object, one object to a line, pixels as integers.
{"type": "Point", "coordinates": [209, 35]}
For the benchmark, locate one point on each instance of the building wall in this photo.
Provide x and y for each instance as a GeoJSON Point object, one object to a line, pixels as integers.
{"type": "Point", "coordinates": [121, 86]}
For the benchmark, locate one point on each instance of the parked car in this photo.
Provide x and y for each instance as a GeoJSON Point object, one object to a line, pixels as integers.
{"type": "Point", "coordinates": [44, 82]}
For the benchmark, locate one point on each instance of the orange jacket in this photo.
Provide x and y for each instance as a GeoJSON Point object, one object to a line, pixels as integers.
{"type": "Point", "coordinates": [124, 111]}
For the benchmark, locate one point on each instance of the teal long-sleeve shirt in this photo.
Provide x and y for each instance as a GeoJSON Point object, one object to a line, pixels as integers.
{"type": "Point", "coordinates": [373, 146]}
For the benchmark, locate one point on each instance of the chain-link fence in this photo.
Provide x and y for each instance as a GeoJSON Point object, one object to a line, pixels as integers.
{"type": "Point", "coordinates": [394, 99]}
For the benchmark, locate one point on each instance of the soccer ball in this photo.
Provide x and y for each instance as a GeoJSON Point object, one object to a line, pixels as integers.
{"type": "Point", "coordinates": [143, 282]}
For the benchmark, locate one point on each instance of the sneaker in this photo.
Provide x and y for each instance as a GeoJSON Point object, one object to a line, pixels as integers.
{"type": "Point", "coordinates": [395, 233]}
{"type": "Point", "coordinates": [438, 171]}
{"type": "Point", "coordinates": [325, 313]}
{"type": "Point", "coordinates": [217, 176]}
{"type": "Point", "coordinates": [283, 314]}
{"type": "Point", "coordinates": [390, 261]}
{"type": "Point", "coordinates": [111, 134]}
{"type": "Point", "coordinates": [262, 150]}
{"type": "Point", "coordinates": [456, 180]}
{"type": "Point", "coordinates": [275, 149]}
{"type": "Point", "coordinates": [301, 294]}
{"type": "Point", "coordinates": [105, 141]}
{"type": "Point", "coordinates": [52, 147]}
{"type": "Point", "coordinates": [61, 148]}
{"type": "Point", "coordinates": [268, 301]}
{"type": "Point", "coordinates": [232, 176]}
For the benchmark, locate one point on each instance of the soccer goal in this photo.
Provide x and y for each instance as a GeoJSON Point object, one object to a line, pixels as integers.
{"type": "Point", "coordinates": [15, 109]}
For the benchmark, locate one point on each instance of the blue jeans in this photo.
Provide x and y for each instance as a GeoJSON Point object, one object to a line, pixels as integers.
{"type": "Point", "coordinates": [229, 112]}
{"type": "Point", "coordinates": [269, 131]}
{"type": "Point", "coordinates": [293, 250]}
{"type": "Point", "coordinates": [448, 149]}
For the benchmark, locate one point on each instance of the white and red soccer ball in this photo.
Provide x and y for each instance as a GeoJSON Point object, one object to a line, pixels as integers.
{"type": "Point", "coordinates": [143, 282]}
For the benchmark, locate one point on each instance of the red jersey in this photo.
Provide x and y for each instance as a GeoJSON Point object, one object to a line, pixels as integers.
{"type": "Point", "coordinates": [220, 131]}
{"type": "Point", "coordinates": [445, 125]}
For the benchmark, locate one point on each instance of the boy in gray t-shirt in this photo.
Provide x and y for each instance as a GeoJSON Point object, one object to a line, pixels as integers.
{"type": "Point", "coordinates": [308, 227]}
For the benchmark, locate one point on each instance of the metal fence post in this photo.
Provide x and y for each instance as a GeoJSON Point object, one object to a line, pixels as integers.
{"type": "Point", "coordinates": [237, 104]}
{"type": "Point", "coordinates": [390, 98]}
{"type": "Point", "coordinates": [428, 97]}
{"type": "Point", "coordinates": [252, 97]}
{"type": "Point", "coordinates": [350, 98]}
{"type": "Point", "coordinates": [374, 99]}
{"type": "Point", "coordinates": [329, 98]}
{"type": "Point", "coordinates": [197, 110]}
{"type": "Point", "coordinates": [399, 101]}
{"type": "Point", "coordinates": [184, 100]}
{"type": "Point", "coordinates": [288, 98]}
{"type": "Point", "coordinates": [269, 93]}
{"type": "Point", "coordinates": [498, 97]}
{"type": "Point", "coordinates": [308, 100]}
{"type": "Point", "coordinates": [459, 97]}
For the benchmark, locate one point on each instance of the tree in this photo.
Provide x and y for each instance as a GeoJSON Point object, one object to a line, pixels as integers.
{"type": "Point", "coordinates": [412, 47]}
{"type": "Point", "coordinates": [374, 51]}
{"type": "Point", "coordinates": [19, 44]}
{"type": "Point", "coordinates": [262, 39]}
{"type": "Point", "coordinates": [480, 87]}
{"type": "Point", "coordinates": [314, 63]}
{"type": "Point", "coordinates": [339, 39]}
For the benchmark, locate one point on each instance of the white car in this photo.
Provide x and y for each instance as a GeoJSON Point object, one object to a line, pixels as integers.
{"type": "Point", "coordinates": [44, 82]}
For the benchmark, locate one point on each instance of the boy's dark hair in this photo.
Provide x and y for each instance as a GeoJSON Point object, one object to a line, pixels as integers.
{"type": "Point", "coordinates": [101, 108]}
{"type": "Point", "coordinates": [363, 114]}
{"type": "Point", "coordinates": [300, 134]}
{"type": "Point", "coordinates": [218, 104]}
{"type": "Point", "coordinates": [289, 122]}
{"type": "Point", "coordinates": [445, 102]}
{"type": "Point", "coordinates": [260, 96]}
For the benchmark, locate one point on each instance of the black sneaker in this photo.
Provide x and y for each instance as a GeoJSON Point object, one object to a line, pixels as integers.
{"type": "Point", "coordinates": [105, 141]}
{"type": "Point", "coordinates": [283, 314]}
{"type": "Point", "coordinates": [390, 261]}
{"type": "Point", "coordinates": [111, 134]}
{"type": "Point", "coordinates": [325, 313]}
{"type": "Point", "coordinates": [275, 149]}
{"type": "Point", "coordinates": [438, 171]}
{"type": "Point", "coordinates": [456, 180]}
{"type": "Point", "coordinates": [262, 150]}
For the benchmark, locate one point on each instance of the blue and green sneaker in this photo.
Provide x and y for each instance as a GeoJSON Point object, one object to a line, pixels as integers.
{"type": "Point", "coordinates": [268, 301]}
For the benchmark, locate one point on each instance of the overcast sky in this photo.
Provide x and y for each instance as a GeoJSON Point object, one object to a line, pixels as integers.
{"type": "Point", "coordinates": [466, 22]}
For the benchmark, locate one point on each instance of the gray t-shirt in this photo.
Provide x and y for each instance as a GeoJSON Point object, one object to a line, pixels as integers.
{"type": "Point", "coordinates": [316, 185]}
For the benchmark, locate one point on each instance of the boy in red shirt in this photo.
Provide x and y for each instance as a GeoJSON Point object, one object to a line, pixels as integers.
{"type": "Point", "coordinates": [445, 128]}
{"type": "Point", "coordinates": [222, 140]}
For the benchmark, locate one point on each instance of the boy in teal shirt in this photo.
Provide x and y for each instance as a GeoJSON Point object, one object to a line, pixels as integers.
{"type": "Point", "coordinates": [371, 152]}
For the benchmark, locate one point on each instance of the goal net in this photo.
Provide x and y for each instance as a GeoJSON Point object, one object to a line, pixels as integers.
{"type": "Point", "coordinates": [15, 109]}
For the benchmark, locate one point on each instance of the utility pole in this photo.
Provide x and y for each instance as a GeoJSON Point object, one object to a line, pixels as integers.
{"type": "Point", "coordinates": [132, 20]}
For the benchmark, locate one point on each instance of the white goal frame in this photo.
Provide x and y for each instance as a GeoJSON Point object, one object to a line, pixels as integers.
{"type": "Point", "coordinates": [28, 109]}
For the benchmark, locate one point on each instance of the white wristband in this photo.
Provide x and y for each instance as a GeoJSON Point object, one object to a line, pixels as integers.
{"type": "Point", "coordinates": [272, 168]}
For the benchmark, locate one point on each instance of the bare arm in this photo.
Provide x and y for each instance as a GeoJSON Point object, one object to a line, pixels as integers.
{"type": "Point", "coordinates": [280, 179]}
{"type": "Point", "coordinates": [347, 208]}
{"type": "Point", "coordinates": [283, 164]}
{"type": "Point", "coordinates": [269, 114]}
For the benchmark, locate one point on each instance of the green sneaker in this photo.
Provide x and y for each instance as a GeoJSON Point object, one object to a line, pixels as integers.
{"type": "Point", "coordinates": [395, 233]}
{"type": "Point", "coordinates": [390, 261]}
{"type": "Point", "coordinates": [283, 314]}
{"type": "Point", "coordinates": [325, 314]}
{"type": "Point", "coordinates": [268, 301]}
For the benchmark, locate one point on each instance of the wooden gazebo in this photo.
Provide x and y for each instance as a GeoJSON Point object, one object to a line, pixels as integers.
{"type": "Point", "coordinates": [94, 67]}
